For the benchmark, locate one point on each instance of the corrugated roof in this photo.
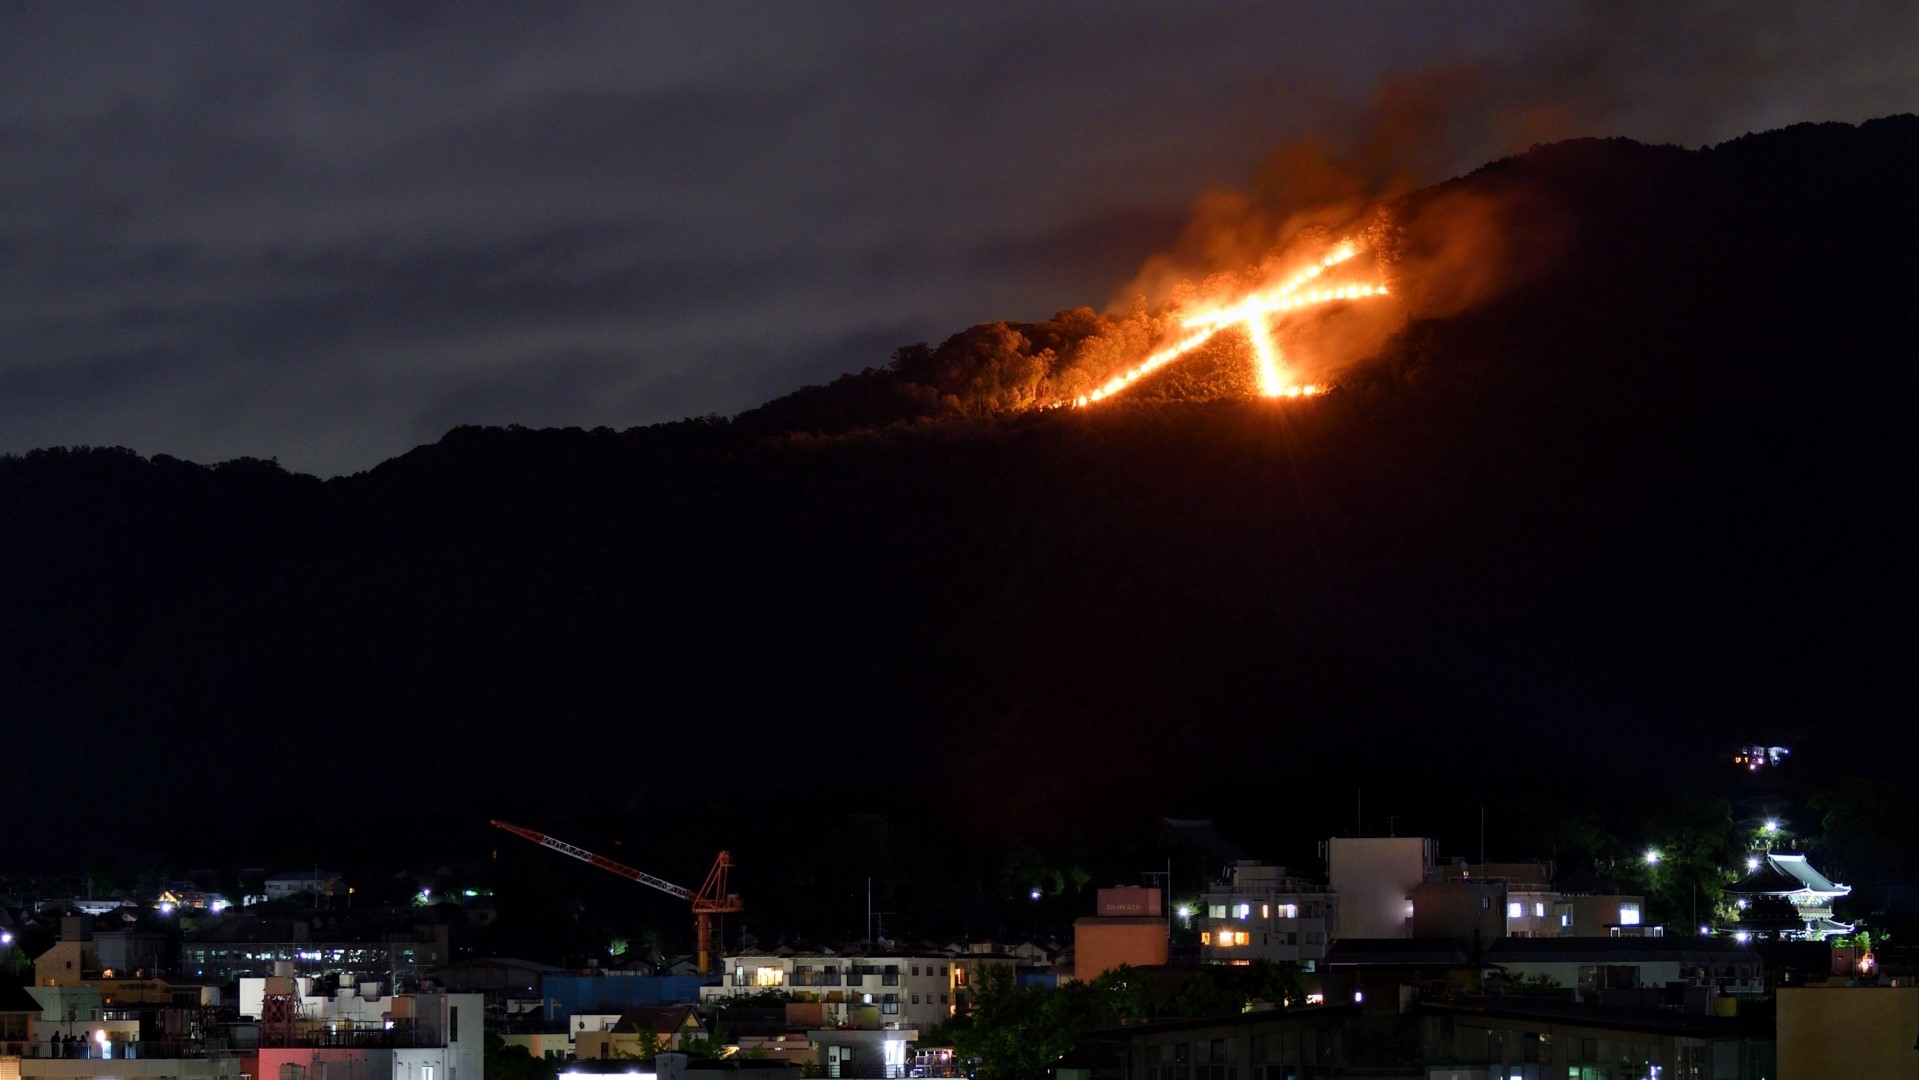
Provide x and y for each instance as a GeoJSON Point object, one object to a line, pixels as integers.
{"type": "Point", "coordinates": [1397, 952]}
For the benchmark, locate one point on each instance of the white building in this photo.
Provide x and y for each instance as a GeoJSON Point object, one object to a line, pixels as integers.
{"type": "Point", "coordinates": [891, 990]}
{"type": "Point", "coordinates": [1374, 877]}
{"type": "Point", "coordinates": [1261, 912]}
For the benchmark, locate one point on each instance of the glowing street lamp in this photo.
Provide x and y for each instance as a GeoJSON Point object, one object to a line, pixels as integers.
{"type": "Point", "coordinates": [1771, 826]}
{"type": "Point", "coordinates": [1652, 856]}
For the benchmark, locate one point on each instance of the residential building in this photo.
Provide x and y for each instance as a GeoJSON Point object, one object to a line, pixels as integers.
{"type": "Point", "coordinates": [1260, 911]}
{"type": "Point", "coordinates": [374, 945]}
{"type": "Point", "coordinates": [1524, 900]}
{"type": "Point", "coordinates": [1847, 1030]}
{"type": "Point", "coordinates": [878, 990]}
{"type": "Point", "coordinates": [395, 1037]}
{"type": "Point", "coordinates": [638, 1033]}
{"type": "Point", "coordinates": [1467, 1039]}
{"type": "Point", "coordinates": [1588, 965]}
{"type": "Point", "coordinates": [1373, 878]}
{"type": "Point", "coordinates": [1601, 915]}
{"type": "Point", "coordinates": [1129, 927]}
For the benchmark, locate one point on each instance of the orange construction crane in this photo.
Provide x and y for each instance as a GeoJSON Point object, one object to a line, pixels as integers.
{"type": "Point", "coordinates": [711, 900]}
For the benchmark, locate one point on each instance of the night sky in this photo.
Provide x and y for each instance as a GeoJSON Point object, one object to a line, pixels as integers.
{"type": "Point", "coordinates": [327, 232]}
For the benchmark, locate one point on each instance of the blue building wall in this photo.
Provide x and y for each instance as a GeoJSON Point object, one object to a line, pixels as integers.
{"type": "Point", "coordinates": [569, 994]}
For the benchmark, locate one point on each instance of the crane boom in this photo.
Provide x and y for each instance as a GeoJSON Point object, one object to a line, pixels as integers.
{"type": "Point", "coordinates": [600, 861]}
{"type": "Point", "coordinates": [711, 900]}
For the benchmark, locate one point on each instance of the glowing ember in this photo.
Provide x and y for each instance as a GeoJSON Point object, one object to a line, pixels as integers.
{"type": "Point", "coordinates": [1256, 313]}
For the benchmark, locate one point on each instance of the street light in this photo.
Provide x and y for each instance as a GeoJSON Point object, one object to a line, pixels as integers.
{"type": "Point", "coordinates": [1652, 856]}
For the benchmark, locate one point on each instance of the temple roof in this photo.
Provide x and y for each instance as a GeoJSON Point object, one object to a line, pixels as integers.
{"type": "Point", "coordinates": [1786, 873]}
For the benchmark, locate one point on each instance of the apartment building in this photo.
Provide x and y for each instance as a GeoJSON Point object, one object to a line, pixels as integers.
{"type": "Point", "coordinates": [878, 990]}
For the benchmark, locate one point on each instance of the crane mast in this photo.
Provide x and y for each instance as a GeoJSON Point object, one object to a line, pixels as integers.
{"type": "Point", "coordinates": [711, 900]}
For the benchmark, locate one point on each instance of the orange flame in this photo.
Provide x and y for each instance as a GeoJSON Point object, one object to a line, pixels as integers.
{"type": "Point", "coordinates": [1256, 313]}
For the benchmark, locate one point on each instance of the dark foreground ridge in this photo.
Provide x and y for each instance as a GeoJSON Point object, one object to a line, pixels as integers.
{"type": "Point", "coordinates": [1578, 537]}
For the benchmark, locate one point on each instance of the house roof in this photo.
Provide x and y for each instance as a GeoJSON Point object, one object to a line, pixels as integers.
{"type": "Point", "coordinates": [661, 1019]}
{"type": "Point", "coordinates": [1398, 952]}
{"type": "Point", "coordinates": [15, 999]}
{"type": "Point", "coordinates": [1664, 1021]}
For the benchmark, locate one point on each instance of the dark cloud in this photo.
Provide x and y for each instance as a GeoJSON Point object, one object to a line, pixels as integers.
{"type": "Point", "coordinates": [322, 231]}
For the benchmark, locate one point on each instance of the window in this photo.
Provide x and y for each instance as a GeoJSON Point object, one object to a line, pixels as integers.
{"type": "Point", "coordinates": [1629, 914]}
{"type": "Point", "coordinates": [1515, 910]}
{"type": "Point", "coordinates": [769, 976]}
{"type": "Point", "coordinates": [453, 1023]}
{"type": "Point", "coordinates": [890, 975]}
{"type": "Point", "coordinates": [942, 999]}
{"type": "Point", "coordinates": [916, 970]}
{"type": "Point", "coordinates": [1242, 912]}
{"type": "Point", "coordinates": [1265, 911]}
{"type": "Point", "coordinates": [1205, 937]}
{"type": "Point", "coordinates": [426, 1072]}
{"type": "Point", "coordinates": [1288, 911]}
{"type": "Point", "coordinates": [916, 999]}
{"type": "Point", "coordinates": [1539, 909]}
{"type": "Point", "coordinates": [942, 971]}
{"type": "Point", "coordinates": [1213, 911]}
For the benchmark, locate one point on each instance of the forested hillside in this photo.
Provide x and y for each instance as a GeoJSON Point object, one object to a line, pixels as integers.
{"type": "Point", "coordinates": [1574, 540]}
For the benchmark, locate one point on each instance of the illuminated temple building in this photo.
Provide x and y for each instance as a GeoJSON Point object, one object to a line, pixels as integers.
{"type": "Point", "coordinates": [1810, 892]}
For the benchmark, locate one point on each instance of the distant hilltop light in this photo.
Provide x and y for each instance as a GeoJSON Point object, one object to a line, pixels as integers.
{"type": "Point", "coordinates": [1755, 758]}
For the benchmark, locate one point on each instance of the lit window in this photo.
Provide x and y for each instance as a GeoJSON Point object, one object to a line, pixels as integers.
{"type": "Point", "coordinates": [1205, 937]}
{"type": "Point", "coordinates": [1243, 911]}
{"type": "Point", "coordinates": [1629, 914]}
{"type": "Point", "coordinates": [1265, 911]}
{"type": "Point", "coordinates": [769, 976]}
{"type": "Point", "coordinates": [1315, 999]}
{"type": "Point", "coordinates": [1515, 910]}
{"type": "Point", "coordinates": [1215, 911]}
{"type": "Point", "coordinates": [1539, 909]}
{"type": "Point", "coordinates": [1289, 911]}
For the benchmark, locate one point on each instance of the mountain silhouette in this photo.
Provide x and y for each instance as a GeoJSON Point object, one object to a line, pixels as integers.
{"type": "Point", "coordinates": [1581, 534]}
